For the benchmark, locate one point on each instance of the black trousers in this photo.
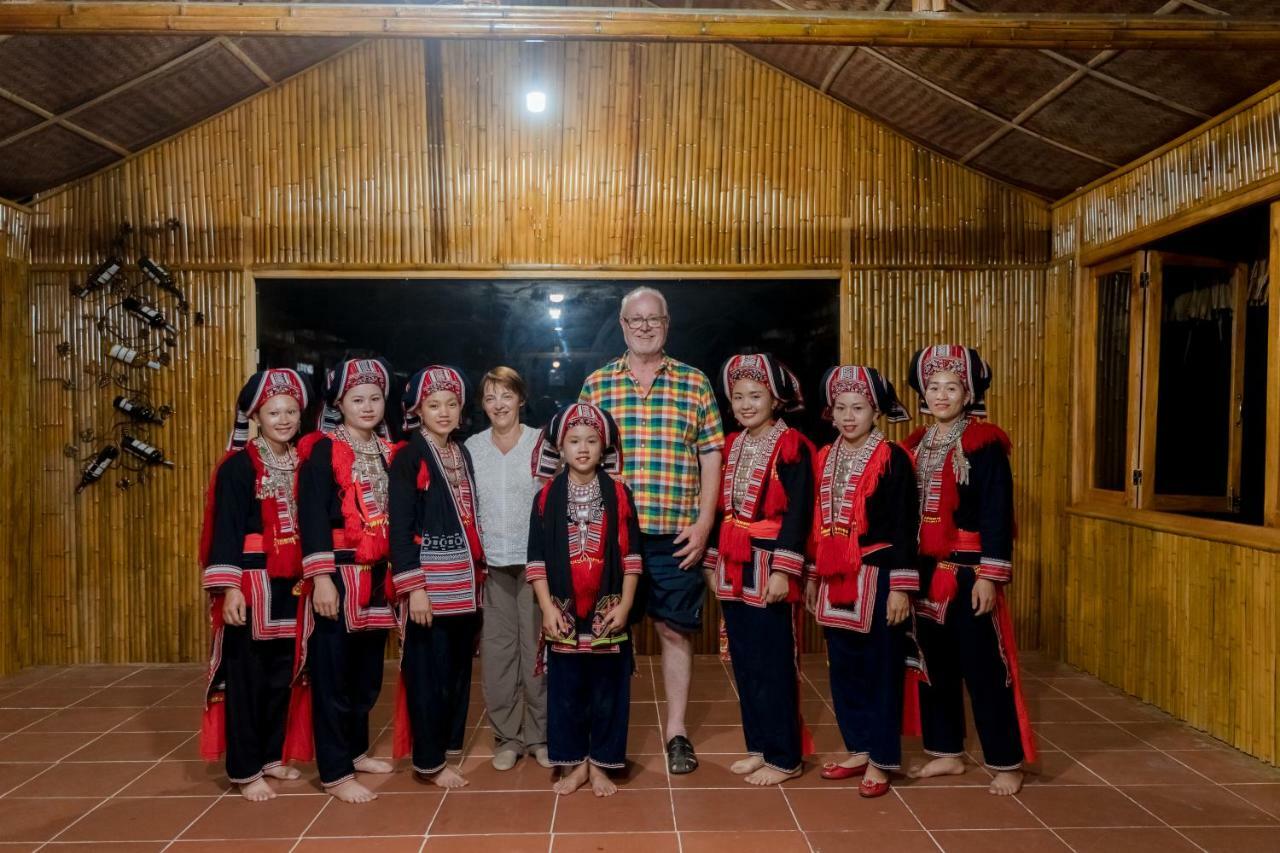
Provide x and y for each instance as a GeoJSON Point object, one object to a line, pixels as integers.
{"type": "Point", "coordinates": [257, 675]}
{"type": "Point", "coordinates": [437, 679]}
{"type": "Point", "coordinates": [867, 672]}
{"type": "Point", "coordinates": [964, 653]}
{"type": "Point", "coordinates": [346, 678]}
{"type": "Point", "coordinates": [589, 707]}
{"type": "Point", "coordinates": [762, 648]}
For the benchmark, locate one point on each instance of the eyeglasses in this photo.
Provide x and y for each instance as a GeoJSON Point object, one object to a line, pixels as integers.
{"type": "Point", "coordinates": [635, 323]}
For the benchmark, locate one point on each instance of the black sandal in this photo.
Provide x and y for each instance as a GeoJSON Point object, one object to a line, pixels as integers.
{"type": "Point", "coordinates": [681, 758]}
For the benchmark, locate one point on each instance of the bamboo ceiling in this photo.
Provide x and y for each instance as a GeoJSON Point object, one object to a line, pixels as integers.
{"type": "Point", "coordinates": [1046, 120]}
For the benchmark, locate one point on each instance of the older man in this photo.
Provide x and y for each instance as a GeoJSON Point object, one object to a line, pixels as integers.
{"type": "Point", "coordinates": [672, 443]}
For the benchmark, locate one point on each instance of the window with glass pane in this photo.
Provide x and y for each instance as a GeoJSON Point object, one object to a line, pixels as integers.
{"type": "Point", "coordinates": [1194, 412]}
{"type": "Point", "coordinates": [1111, 386]}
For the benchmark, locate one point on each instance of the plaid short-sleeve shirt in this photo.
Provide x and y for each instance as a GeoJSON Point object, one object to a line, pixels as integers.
{"type": "Point", "coordinates": [663, 433]}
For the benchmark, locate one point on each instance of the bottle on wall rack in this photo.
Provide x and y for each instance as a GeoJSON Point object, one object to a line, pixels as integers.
{"type": "Point", "coordinates": [146, 452]}
{"type": "Point", "coordinates": [149, 314]}
{"type": "Point", "coordinates": [102, 276]}
{"type": "Point", "coordinates": [131, 357]}
{"type": "Point", "coordinates": [98, 467]}
{"type": "Point", "coordinates": [136, 410]}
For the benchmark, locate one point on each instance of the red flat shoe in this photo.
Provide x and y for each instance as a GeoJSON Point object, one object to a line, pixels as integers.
{"type": "Point", "coordinates": [835, 772]}
{"type": "Point", "coordinates": [870, 790]}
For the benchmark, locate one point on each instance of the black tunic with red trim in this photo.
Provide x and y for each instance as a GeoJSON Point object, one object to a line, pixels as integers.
{"type": "Point", "coordinates": [435, 537]}
{"type": "Point", "coordinates": [585, 581]}
{"type": "Point", "coordinates": [250, 543]}
{"type": "Point", "coordinates": [970, 523]}
{"type": "Point", "coordinates": [885, 526]}
{"type": "Point", "coordinates": [344, 528]}
{"type": "Point", "coordinates": [769, 531]}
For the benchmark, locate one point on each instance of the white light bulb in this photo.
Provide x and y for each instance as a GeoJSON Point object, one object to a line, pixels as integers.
{"type": "Point", "coordinates": [535, 101]}
{"type": "Point", "coordinates": [555, 313]}
{"type": "Point", "coordinates": [556, 297]}
{"type": "Point", "coordinates": [555, 365]}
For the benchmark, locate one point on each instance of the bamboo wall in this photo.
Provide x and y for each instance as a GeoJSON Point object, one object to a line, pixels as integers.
{"type": "Point", "coordinates": [1189, 624]}
{"type": "Point", "coordinates": [18, 472]}
{"type": "Point", "coordinates": [418, 157]}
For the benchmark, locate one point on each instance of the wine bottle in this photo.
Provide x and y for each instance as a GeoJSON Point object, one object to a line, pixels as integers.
{"type": "Point", "coordinates": [137, 411]}
{"type": "Point", "coordinates": [147, 453]}
{"type": "Point", "coordinates": [94, 471]}
{"type": "Point", "coordinates": [102, 275]}
{"type": "Point", "coordinates": [131, 357]}
{"type": "Point", "coordinates": [161, 278]}
{"type": "Point", "coordinates": [148, 314]}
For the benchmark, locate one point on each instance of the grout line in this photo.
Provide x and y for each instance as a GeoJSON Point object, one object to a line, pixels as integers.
{"type": "Point", "coordinates": [310, 823]}
{"type": "Point", "coordinates": [671, 794]}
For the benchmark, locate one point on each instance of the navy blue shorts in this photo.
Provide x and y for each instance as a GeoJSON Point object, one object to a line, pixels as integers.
{"type": "Point", "coordinates": [675, 595]}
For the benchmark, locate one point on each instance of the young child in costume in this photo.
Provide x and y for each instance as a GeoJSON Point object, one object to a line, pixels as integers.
{"type": "Point", "coordinates": [584, 564]}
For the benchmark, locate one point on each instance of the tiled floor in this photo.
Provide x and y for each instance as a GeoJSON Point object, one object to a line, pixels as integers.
{"type": "Point", "coordinates": [104, 758]}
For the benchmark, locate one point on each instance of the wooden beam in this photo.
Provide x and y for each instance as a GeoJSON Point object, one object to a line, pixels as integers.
{"type": "Point", "coordinates": [970, 30]}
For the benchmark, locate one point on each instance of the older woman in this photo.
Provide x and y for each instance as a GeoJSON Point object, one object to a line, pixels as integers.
{"type": "Point", "coordinates": [516, 701]}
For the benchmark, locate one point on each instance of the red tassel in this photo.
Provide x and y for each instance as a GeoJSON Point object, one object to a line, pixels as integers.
{"type": "Point", "coordinates": [402, 731]}
{"type": "Point", "coordinates": [943, 584]}
{"type": "Point", "coordinates": [298, 742]}
{"type": "Point", "coordinates": [424, 476]}
{"type": "Point", "coordinates": [364, 587]}
{"type": "Point", "coordinates": [775, 497]}
{"type": "Point", "coordinates": [213, 729]}
{"type": "Point", "coordinates": [911, 703]}
{"type": "Point", "coordinates": [624, 518]}
{"type": "Point", "coordinates": [1004, 628]}
{"type": "Point", "coordinates": [542, 497]}
{"type": "Point", "coordinates": [735, 540]}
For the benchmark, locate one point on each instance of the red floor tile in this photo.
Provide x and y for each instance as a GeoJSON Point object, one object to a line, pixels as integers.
{"type": "Point", "coordinates": [1084, 806]}
{"type": "Point", "coordinates": [130, 746]}
{"type": "Point", "coordinates": [965, 808]}
{"type": "Point", "coordinates": [1074, 736]}
{"type": "Point", "coordinates": [41, 819]}
{"type": "Point", "coordinates": [13, 775]}
{"type": "Point", "coordinates": [13, 719]}
{"type": "Point", "coordinates": [178, 779]}
{"type": "Point", "coordinates": [1145, 840]}
{"type": "Point", "coordinates": [1060, 709]}
{"type": "Point", "coordinates": [1264, 796]}
{"type": "Point", "coordinates": [1171, 735]}
{"type": "Point", "coordinates": [1236, 840]}
{"type": "Point", "coordinates": [1199, 805]}
{"type": "Point", "coordinates": [792, 841]}
{"type": "Point", "coordinates": [73, 779]}
{"type": "Point", "coordinates": [1137, 768]}
{"type": "Point", "coordinates": [390, 814]}
{"type": "Point", "coordinates": [626, 811]}
{"type": "Point", "coordinates": [1058, 768]}
{"type": "Point", "coordinates": [529, 843]}
{"type": "Point", "coordinates": [1009, 841]}
{"type": "Point", "coordinates": [138, 819]}
{"type": "Point", "coordinates": [233, 846]}
{"type": "Point", "coordinates": [832, 810]}
{"type": "Point", "coordinates": [234, 817]}
{"type": "Point", "coordinates": [864, 841]}
{"type": "Point", "coordinates": [732, 810]}
{"type": "Point", "coordinates": [42, 746]}
{"type": "Point", "coordinates": [639, 842]}
{"type": "Point", "coordinates": [481, 813]}
{"type": "Point", "coordinates": [42, 696]}
{"type": "Point", "coordinates": [1226, 766]}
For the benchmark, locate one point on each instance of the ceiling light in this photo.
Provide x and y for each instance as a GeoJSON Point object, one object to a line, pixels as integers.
{"type": "Point", "coordinates": [535, 101]}
{"type": "Point", "coordinates": [555, 313]}
{"type": "Point", "coordinates": [556, 297]}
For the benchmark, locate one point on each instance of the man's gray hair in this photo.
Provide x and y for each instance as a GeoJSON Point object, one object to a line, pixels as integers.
{"type": "Point", "coordinates": [643, 290]}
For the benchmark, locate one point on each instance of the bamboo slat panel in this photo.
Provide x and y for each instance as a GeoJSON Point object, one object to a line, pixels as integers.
{"type": "Point", "coordinates": [18, 470]}
{"type": "Point", "coordinates": [1226, 158]}
{"type": "Point", "coordinates": [411, 156]}
{"type": "Point", "coordinates": [1189, 625]}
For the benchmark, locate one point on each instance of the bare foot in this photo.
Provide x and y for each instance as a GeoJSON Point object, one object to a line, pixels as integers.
{"type": "Point", "coordinates": [769, 776]}
{"type": "Point", "coordinates": [257, 791]}
{"type": "Point", "coordinates": [571, 781]}
{"type": "Point", "coordinates": [601, 784]}
{"type": "Point", "coordinates": [1006, 783]}
{"type": "Point", "coordinates": [448, 778]}
{"type": "Point", "coordinates": [744, 766]}
{"type": "Point", "coordinates": [875, 774]}
{"type": "Point", "coordinates": [280, 771]}
{"type": "Point", "coordinates": [947, 766]}
{"type": "Point", "coordinates": [373, 765]}
{"type": "Point", "coordinates": [352, 791]}
{"type": "Point", "coordinates": [855, 761]}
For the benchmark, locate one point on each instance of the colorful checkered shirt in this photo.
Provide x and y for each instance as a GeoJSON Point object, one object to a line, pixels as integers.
{"type": "Point", "coordinates": [663, 433]}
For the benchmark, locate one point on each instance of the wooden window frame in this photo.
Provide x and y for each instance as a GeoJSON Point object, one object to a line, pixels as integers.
{"type": "Point", "coordinates": [1139, 504]}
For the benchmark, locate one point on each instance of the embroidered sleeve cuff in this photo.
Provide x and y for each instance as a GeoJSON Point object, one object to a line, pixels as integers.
{"type": "Point", "coordinates": [904, 580]}
{"type": "Point", "coordinates": [998, 571]}
{"type": "Point", "coordinates": [319, 563]}
{"type": "Point", "coordinates": [219, 576]}
{"type": "Point", "coordinates": [632, 564]}
{"type": "Point", "coordinates": [535, 571]}
{"type": "Point", "coordinates": [407, 582]}
{"type": "Point", "coordinates": [710, 558]}
{"type": "Point", "coordinates": [788, 561]}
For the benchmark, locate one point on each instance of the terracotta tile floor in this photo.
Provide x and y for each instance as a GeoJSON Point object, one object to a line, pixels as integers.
{"type": "Point", "coordinates": [104, 758]}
